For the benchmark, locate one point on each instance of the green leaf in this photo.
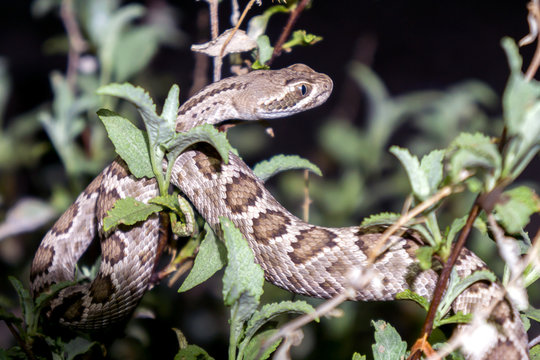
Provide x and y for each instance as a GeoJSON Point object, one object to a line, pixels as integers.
{"type": "Point", "coordinates": [242, 282]}
{"type": "Point", "coordinates": [268, 168]}
{"type": "Point", "coordinates": [243, 278]}
{"type": "Point", "coordinates": [265, 49]}
{"type": "Point", "coordinates": [170, 108]}
{"type": "Point", "coordinates": [211, 258]}
{"type": "Point", "coordinates": [520, 94]}
{"type": "Point", "coordinates": [270, 311]}
{"type": "Point", "coordinates": [252, 349]}
{"type": "Point", "coordinates": [203, 133]}
{"type": "Point", "coordinates": [78, 346]}
{"type": "Point", "coordinates": [432, 166]}
{"type": "Point", "coordinates": [301, 37]}
{"type": "Point", "coordinates": [410, 295]}
{"type": "Point", "coordinates": [158, 129]}
{"type": "Point", "coordinates": [257, 24]}
{"type": "Point", "coordinates": [424, 255]}
{"type": "Point", "coordinates": [533, 313]}
{"type": "Point", "coordinates": [357, 356]}
{"type": "Point", "coordinates": [459, 318]}
{"type": "Point", "coordinates": [128, 211]}
{"type": "Point", "coordinates": [515, 208]}
{"type": "Point", "coordinates": [192, 352]}
{"type": "Point", "coordinates": [125, 64]}
{"type": "Point", "coordinates": [388, 344]}
{"type": "Point", "coordinates": [456, 286]}
{"type": "Point", "coordinates": [535, 352]}
{"type": "Point", "coordinates": [129, 142]}
{"type": "Point", "coordinates": [417, 177]}
{"type": "Point", "coordinates": [385, 218]}
{"type": "Point", "coordinates": [27, 304]}
{"type": "Point", "coordinates": [475, 152]}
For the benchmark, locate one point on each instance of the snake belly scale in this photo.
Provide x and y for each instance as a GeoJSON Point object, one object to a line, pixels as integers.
{"type": "Point", "coordinates": [295, 255]}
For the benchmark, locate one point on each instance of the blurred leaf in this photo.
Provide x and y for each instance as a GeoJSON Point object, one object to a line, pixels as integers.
{"type": "Point", "coordinates": [301, 37]}
{"type": "Point", "coordinates": [192, 352]}
{"type": "Point", "coordinates": [515, 208]}
{"type": "Point", "coordinates": [257, 24]}
{"type": "Point", "coordinates": [475, 151]}
{"type": "Point", "coordinates": [129, 142]}
{"type": "Point", "coordinates": [417, 177]}
{"type": "Point", "coordinates": [388, 344]}
{"type": "Point", "coordinates": [170, 108]}
{"type": "Point", "coordinates": [252, 349]}
{"type": "Point", "coordinates": [268, 168]}
{"type": "Point", "coordinates": [410, 295]}
{"type": "Point", "coordinates": [456, 286]}
{"type": "Point", "coordinates": [26, 215]}
{"type": "Point", "coordinates": [125, 64]}
{"type": "Point", "coordinates": [265, 50]}
{"type": "Point", "coordinates": [357, 356]}
{"type": "Point", "coordinates": [424, 254]}
{"type": "Point", "coordinates": [110, 35]}
{"type": "Point", "coordinates": [458, 318]}
{"type": "Point", "coordinates": [270, 311]}
{"type": "Point", "coordinates": [128, 211]}
{"type": "Point", "coordinates": [25, 300]}
{"type": "Point", "coordinates": [535, 352]}
{"type": "Point", "coordinates": [78, 346]}
{"type": "Point", "coordinates": [212, 257]}
{"type": "Point", "coordinates": [385, 218]}
{"type": "Point", "coordinates": [432, 166]}
{"type": "Point", "coordinates": [520, 94]}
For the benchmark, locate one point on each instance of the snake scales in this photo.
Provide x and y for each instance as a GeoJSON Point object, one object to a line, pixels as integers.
{"type": "Point", "coordinates": [296, 256]}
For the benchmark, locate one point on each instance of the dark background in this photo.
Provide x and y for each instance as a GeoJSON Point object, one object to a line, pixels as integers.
{"type": "Point", "coordinates": [411, 45]}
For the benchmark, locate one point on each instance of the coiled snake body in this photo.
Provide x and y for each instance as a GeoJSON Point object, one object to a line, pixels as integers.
{"type": "Point", "coordinates": [297, 256]}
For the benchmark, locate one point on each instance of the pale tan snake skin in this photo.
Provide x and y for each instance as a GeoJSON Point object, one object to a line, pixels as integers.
{"type": "Point", "coordinates": [296, 256]}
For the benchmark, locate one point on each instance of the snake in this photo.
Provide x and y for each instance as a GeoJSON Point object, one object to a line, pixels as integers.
{"type": "Point", "coordinates": [297, 256]}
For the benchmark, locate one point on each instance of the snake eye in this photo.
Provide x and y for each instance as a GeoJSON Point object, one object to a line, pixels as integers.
{"type": "Point", "coordinates": [303, 90]}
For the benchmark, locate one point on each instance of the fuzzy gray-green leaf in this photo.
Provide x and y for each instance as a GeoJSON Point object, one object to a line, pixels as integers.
{"type": "Point", "coordinates": [170, 108]}
{"type": "Point", "coordinates": [388, 344]}
{"type": "Point", "coordinates": [157, 128]}
{"type": "Point", "coordinates": [515, 208]}
{"type": "Point", "coordinates": [211, 257]}
{"type": "Point", "coordinates": [417, 177]}
{"type": "Point", "coordinates": [268, 168]}
{"type": "Point", "coordinates": [129, 142]}
{"type": "Point", "coordinates": [203, 133]}
{"type": "Point", "coordinates": [270, 311]}
{"type": "Point", "coordinates": [243, 278]}
{"type": "Point", "coordinates": [128, 211]}
{"type": "Point", "coordinates": [432, 166]}
{"type": "Point", "coordinates": [192, 352]}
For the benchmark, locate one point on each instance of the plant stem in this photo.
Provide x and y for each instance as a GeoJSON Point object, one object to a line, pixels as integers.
{"type": "Point", "coordinates": [287, 30]}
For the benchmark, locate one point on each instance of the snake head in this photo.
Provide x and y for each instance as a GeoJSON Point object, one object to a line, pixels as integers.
{"type": "Point", "coordinates": [288, 91]}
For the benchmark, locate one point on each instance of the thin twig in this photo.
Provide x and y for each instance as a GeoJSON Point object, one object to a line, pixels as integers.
{"type": "Point", "coordinates": [442, 281]}
{"type": "Point", "coordinates": [214, 30]}
{"type": "Point", "coordinates": [359, 278]}
{"type": "Point", "coordinates": [21, 342]}
{"type": "Point", "coordinates": [534, 15]}
{"type": "Point", "coordinates": [77, 45]}
{"type": "Point", "coordinates": [404, 219]}
{"type": "Point", "coordinates": [307, 199]}
{"type": "Point", "coordinates": [229, 38]}
{"type": "Point", "coordinates": [287, 30]}
{"type": "Point", "coordinates": [201, 60]}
